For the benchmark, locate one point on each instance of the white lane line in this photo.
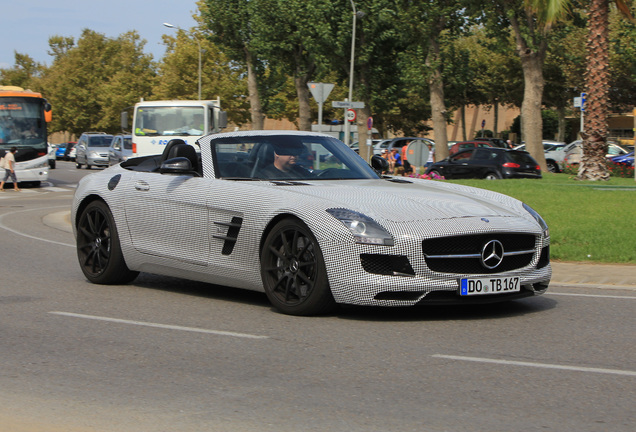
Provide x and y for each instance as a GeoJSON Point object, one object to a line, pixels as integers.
{"type": "Point", "coordinates": [163, 326]}
{"type": "Point", "coordinates": [538, 365]}
{"type": "Point", "coordinates": [592, 295]}
{"type": "Point", "coordinates": [4, 227]}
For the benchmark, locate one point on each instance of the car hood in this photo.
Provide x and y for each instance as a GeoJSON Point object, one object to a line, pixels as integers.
{"type": "Point", "coordinates": [403, 202]}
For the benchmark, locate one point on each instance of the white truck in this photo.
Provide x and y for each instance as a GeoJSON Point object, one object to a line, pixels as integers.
{"type": "Point", "coordinates": [155, 123]}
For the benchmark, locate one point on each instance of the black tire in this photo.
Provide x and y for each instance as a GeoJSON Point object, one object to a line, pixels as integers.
{"type": "Point", "coordinates": [51, 164]}
{"type": "Point", "coordinates": [98, 248]}
{"type": "Point", "coordinates": [88, 166]}
{"type": "Point", "coordinates": [78, 165]}
{"type": "Point", "coordinates": [553, 167]}
{"type": "Point", "coordinates": [434, 173]}
{"type": "Point", "coordinates": [293, 270]}
{"type": "Point", "coordinates": [492, 176]}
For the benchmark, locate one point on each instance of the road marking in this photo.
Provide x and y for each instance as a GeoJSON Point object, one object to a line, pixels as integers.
{"type": "Point", "coordinates": [538, 365]}
{"type": "Point", "coordinates": [593, 295]}
{"type": "Point", "coordinates": [3, 226]}
{"type": "Point", "coordinates": [163, 326]}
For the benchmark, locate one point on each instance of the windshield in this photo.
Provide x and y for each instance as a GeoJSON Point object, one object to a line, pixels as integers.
{"type": "Point", "coordinates": [22, 125]}
{"type": "Point", "coordinates": [287, 157]}
{"type": "Point", "coordinates": [170, 121]}
{"type": "Point", "coordinates": [100, 141]}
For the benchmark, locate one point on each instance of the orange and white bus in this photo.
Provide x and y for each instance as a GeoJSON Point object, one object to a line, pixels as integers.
{"type": "Point", "coordinates": [24, 115]}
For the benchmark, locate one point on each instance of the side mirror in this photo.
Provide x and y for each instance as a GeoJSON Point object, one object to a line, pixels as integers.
{"type": "Point", "coordinates": [178, 165]}
{"type": "Point", "coordinates": [124, 120]}
{"type": "Point", "coordinates": [379, 164]}
{"type": "Point", "coordinates": [222, 119]}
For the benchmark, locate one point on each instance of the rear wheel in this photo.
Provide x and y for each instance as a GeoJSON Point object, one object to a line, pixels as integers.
{"type": "Point", "coordinates": [98, 248]}
{"type": "Point", "coordinates": [492, 176]}
{"type": "Point", "coordinates": [293, 270]}
{"type": "Point", "coordinates": [434, 173]}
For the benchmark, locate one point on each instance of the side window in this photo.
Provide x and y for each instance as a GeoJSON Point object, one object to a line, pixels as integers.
{"type": "Point", "coordinates": [481, 154]}
{"type": "Point", "coordinates": [462, 156]}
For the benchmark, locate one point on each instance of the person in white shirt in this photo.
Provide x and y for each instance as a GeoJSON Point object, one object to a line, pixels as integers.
{"type": "Point", "coordinates": [9, 168]}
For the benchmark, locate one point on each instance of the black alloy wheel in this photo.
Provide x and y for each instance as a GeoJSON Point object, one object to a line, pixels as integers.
{"type": "Point", "coordinates": [98, 248]}
{"type": "Point", "coordinates": [293, 270]}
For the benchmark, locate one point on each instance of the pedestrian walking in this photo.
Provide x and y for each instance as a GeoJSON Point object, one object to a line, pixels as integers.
{"type": "Point", "coordinates": [8, 163]}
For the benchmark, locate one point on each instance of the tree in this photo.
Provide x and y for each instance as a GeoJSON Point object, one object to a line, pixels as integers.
{"type": "Point", "coordinates": [294, 36]}
{"type": "Point", "coordinates": [593, 164]}
{"type": "Point", "coordinates": [178, 75]}
{"type": "Point", "coordinates": [91, 82]}
{"type": "Point", "coordinates": [230, 25]}
{"type": "Point", "coordinates": [24, 73]}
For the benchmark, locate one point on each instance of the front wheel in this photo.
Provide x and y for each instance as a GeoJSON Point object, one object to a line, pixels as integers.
{"type": "Point", "coordinates": [293, 270]}
{"type": "Point", "coordinates": [553, 167]}
{"type": "Point", "coordinates": [98, 248]}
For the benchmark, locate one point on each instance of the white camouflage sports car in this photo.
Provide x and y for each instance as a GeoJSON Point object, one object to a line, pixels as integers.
{"type": "Point", "coordinates": [303, 218]}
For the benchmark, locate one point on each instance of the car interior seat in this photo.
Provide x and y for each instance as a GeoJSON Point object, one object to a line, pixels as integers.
{"type": "Point", "coordinates": [179, 148]}
{"type": "Point", "coordinates": [264, 157]}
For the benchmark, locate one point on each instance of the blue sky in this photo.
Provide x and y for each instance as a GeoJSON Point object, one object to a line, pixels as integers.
{"type": "Point", "coordinates": [27, 25]}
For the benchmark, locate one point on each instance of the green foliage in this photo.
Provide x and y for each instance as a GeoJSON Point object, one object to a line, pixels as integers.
{"type": "Point", "coordinates": [220, 77]}
{"type": "Point", "coordinates": [90, 83]}
{"type": "Point", "coordinates": [25, 73]}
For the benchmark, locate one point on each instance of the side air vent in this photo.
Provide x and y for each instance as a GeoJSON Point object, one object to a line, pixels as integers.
{"type": "Point", "coordinates": [230, 238]}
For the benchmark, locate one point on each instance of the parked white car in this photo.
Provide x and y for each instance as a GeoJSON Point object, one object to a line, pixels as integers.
{"type": "Point", "coordinates": [554, 154]}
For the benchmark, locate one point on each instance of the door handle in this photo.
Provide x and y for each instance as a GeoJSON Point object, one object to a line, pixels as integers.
{"type": "Point", "coordinates": [142, 186]}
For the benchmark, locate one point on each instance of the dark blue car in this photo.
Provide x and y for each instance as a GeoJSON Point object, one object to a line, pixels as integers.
{"type": "Point", "coordinates": [627, 159]}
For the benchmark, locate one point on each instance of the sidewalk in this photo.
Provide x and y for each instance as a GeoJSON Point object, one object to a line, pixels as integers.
{"type": "Point", "coordinates": [620, 276]}
{"type": "Point", "coordinates": [582, 274]}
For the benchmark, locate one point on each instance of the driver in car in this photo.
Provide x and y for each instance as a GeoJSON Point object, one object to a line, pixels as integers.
{"type": "Point", "coordinates": [285, 164]}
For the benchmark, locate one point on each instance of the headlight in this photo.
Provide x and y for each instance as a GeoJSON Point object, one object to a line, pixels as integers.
{"type": "Point", "coordinates": [364, 229]}
{"type": "Point", "coordinates": [539, 219]}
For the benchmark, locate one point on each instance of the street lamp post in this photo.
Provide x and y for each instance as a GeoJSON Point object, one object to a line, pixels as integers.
{"type": "Point", "coordinates": [356, 14]}
{"type": "Point", "coordinates": [198, 44]}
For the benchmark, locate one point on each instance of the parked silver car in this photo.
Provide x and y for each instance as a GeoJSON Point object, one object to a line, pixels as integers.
{"type": "Point", "coordinates": [92, 149]}
{"type": "Point", "coordinates": [120, 149]}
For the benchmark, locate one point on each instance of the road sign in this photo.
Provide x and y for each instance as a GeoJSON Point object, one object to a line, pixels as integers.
{"type": "Point", "coordinates": [320, 91]}
{"type": "Point", "coordinates": [370, 122]}
{"type": "Point", "coordinates": [347, 104]}
{"type": "Point", "coordinates": [351, 115]}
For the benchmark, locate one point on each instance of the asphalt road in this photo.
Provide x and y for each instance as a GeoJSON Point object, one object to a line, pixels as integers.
{"type": "Point", "coordinates": [164, 354]}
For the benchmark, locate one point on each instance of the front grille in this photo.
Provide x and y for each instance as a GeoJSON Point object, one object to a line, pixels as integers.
{"type": "Point", "coordinates": [462, 254]}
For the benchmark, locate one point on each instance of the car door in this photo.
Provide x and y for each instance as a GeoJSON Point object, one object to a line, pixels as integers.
{"type": "Point", "coordinates": [167, 216]}
{"type": "Point", "coordinates": [457, 166]}
{"type": "Point", "coordinates": [483, 161]}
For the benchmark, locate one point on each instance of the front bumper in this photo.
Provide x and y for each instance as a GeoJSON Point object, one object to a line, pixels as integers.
{"type": "Point", "coordinates": [400, 275]}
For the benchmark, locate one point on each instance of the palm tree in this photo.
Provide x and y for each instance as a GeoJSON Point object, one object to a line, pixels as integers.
{"type": "Point", "coordinates": [593, 164]}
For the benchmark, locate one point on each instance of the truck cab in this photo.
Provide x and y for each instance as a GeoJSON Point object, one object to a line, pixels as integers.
{"type": "Point", "coordinates": [155, 123]}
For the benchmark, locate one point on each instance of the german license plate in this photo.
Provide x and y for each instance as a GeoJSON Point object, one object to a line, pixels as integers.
{"type": "Point", "coordinates": [485, 286]}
